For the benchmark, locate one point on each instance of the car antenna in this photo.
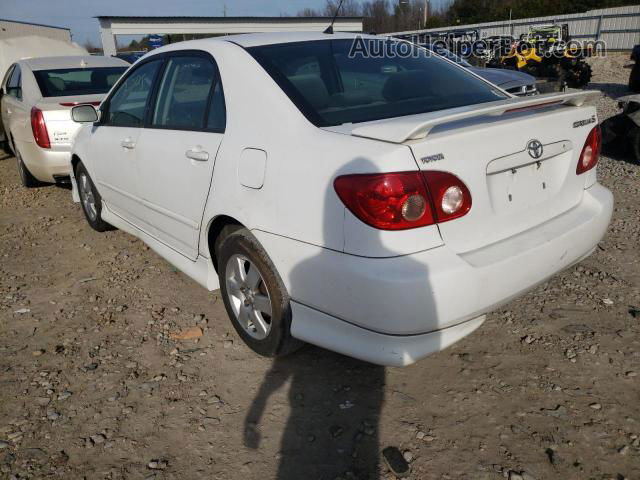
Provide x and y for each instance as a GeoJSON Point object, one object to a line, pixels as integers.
{"type": "Point", "coordinates": [329, 30]}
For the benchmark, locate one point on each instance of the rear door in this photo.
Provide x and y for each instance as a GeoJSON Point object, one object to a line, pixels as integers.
{"type": "Point", "coordinates": [114, 142]}
{"type": "Point", "coordinates": [15, 113]}
{"type": "Point", "coordinates": [3, 113]}
{"type": "Point", "coordinates": [177, 150]}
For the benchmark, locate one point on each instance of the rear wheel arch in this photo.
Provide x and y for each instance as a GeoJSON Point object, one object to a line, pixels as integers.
{"type": "Point", "coordinates": [220, 227]}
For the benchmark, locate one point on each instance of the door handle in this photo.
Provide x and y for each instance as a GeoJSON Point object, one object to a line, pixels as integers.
{"type": "Point", "coordinates": [197, 154]}
{"type": "Point", "coordinates": [128, 144]}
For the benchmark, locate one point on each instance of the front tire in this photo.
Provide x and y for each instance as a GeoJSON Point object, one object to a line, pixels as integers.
{"type": "Point", "coordinates": [90, 200]}
{"type": "Point", "coordinates": [254, 295]}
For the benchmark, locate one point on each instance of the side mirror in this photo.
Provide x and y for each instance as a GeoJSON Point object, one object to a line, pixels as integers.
{"type": "Point", "coordinates": [84, 114]}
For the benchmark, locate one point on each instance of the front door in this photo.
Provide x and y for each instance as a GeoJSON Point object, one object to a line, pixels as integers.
{"type": "Point", "coordinates": [114, 144]}
{"type": "Point", "coordinates": [177, 152]}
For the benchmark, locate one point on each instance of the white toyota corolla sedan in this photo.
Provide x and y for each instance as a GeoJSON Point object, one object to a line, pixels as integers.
{"type": "Point", "coordinates": [355, 193]}
{"type": "Point", "coordinates": [36, 97]}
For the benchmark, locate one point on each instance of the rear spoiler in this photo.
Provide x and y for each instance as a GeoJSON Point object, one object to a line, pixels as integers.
{"type": "Point", "coordinates": [415, 127]}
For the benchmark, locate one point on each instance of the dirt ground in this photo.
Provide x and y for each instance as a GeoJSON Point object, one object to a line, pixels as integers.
{"type": "Point", "coordinates": [92, 385]}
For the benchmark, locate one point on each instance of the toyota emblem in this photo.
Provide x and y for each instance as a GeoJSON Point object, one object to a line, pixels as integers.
{"type": "Point", "coordinates": [535, 149]}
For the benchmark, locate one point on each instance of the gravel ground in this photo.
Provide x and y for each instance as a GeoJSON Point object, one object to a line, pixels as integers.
{"type": "Point", "coordinates": [97, 381]}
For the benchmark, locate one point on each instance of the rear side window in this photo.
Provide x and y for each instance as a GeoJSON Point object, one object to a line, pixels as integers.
{"type": "Point", "coordinates": [5, 80]}
{"type": "Point", "coordinates": [14, 85]}
{"type": "Point", "coordinates": [189, 96]}
{"type": "Point", "coordinates": [217, 118]}
{"type": "Point", "coordinates": [127, 105]}
{"type": "Point", "coordinates": [77, 81]}
{"type": "Point", "coordinates": [349, 81]}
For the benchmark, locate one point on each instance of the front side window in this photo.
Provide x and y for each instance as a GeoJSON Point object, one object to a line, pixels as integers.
{"type": "Point", "coordinates": [77, 81]}
{"type": "Point", "coordinates": [334, 82]}
{"type": "Point", "coordinates": [14, 85]}
{"type": "Point", "coordinates": [184, 93]}
{"type": "Point", "coordinates": [127, 106]}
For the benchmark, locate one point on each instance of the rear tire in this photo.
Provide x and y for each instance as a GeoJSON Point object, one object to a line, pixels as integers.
{"type": "Point", "coordinates": [254, 295]}
{"type": "Point", "coordinates": [27, 180]}
{"type": "Point", "coordinates": [90, 200]}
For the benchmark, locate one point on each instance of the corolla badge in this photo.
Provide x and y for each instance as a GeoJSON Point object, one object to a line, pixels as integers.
{"type": "Point", "coordinates": [535, 149]}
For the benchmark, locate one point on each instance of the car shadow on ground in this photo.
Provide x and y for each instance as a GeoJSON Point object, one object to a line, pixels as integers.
{"type": "Point", "coordinates": [335, 401]}
{"type": "Point", "coordinates": [335, 407]}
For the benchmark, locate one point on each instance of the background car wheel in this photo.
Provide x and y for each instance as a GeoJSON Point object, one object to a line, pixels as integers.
{"type": "Point", "coordinates": [255, 297]}
{"type": "Point", "coordinates": [27, 180]}
{"type": "Point", "coordinates": [90, 200]}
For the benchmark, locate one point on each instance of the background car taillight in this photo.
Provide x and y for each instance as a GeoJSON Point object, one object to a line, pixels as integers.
{"type": "Point", "coordinates": [591, 151]}
{"type": "Point", "coordinates": [39, 128]}
{"type": "Point", "coordinates": [405, 200]}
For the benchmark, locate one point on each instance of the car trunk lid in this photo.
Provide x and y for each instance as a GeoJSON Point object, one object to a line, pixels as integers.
{"type": "Point", "coordinates": [518, 161]}
{"type": "Point", "coordinates": [57, 115]}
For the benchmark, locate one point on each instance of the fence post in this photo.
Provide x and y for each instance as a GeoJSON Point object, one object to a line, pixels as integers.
{"type": "Point", "coordinates": [599, 30]}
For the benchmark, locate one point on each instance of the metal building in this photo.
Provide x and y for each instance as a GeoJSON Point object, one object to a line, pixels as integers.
{"type": "Point", "coordinates": [112, 26]}
{"type": "Point", "coordinates": [12, 29]}
{"type": "Point", "coordinates": [618, 27]}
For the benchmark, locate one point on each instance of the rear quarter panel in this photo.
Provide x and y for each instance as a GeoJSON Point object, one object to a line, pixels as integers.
{"type": "Point", "coordinates": [297, 200]}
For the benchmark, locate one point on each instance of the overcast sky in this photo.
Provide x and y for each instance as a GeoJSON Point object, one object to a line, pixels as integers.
{"type": "Point", "coordinates": [78, 14]}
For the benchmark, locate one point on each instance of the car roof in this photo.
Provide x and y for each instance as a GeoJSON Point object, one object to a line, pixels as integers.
{"type": "Point", "coordinates": [249, 40]}
{"type": "Point", "coordinates": [256, 39]}
{"type": "Point", "coordinates": [81, 61]}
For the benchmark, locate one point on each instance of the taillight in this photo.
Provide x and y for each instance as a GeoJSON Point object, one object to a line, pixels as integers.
{"type": "Point", "coordinates": [591, 151]}
{"type": "Point", "coordinates": [39, 128]}
{"type": "Point", "coordinates": [405, 200]}
{"type": "Point", "coordinates": [451, 197]}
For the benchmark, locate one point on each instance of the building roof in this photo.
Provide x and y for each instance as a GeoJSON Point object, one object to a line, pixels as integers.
{"type": "Point", "coordinates": [33, 24]}
{"type": "Point", "coordinates": [224, 19]}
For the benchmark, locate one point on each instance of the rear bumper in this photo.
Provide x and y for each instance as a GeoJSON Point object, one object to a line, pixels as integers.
{"type": "Point", "coordinates": [436, 294]}
{"type": "Point", "coordinates": [44, 164]}
{"type": "Point", "coordinates": [339, 336]}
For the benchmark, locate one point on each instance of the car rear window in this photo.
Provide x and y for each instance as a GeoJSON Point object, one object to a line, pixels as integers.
{"type": "Point", "coordinates": [77, 81]}
{"type": "Point", "coordinates": [334, 82]}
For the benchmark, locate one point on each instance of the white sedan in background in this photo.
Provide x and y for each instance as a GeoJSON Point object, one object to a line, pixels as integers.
{"type": "Point", "coordinates": [375, 205]}
{"type": "Point", "coordinates": [36, 97]}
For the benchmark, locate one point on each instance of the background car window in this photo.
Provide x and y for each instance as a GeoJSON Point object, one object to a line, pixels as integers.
{"type": "Point", "coordinates": [77, 81]}
{"type": "Point", "coordinates": [14, 85]}
{"type": "Point", "coordinates": [217, 121]}
{"type": "Point", "coordinates": [127, 106]}
{"type": "Point", "coordinates": [184, 93]}
{"type": "Point", "coordinates": [5, 80]}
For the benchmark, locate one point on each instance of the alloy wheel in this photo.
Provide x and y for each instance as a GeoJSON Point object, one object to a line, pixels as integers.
{"type": "Point", "coordinates": [87, 197]}
{"type": "Point", "coordinates": [248, 296]}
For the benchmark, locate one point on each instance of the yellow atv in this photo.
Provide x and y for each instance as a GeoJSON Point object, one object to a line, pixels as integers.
{"type": "Point", "coordinates": [545, 52]}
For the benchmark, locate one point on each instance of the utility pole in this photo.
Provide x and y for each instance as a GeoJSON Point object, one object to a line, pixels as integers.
{"type": "Point", "coordinates": [426, 12]}
{"type": "Point", "coordinates": [224, 10]}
